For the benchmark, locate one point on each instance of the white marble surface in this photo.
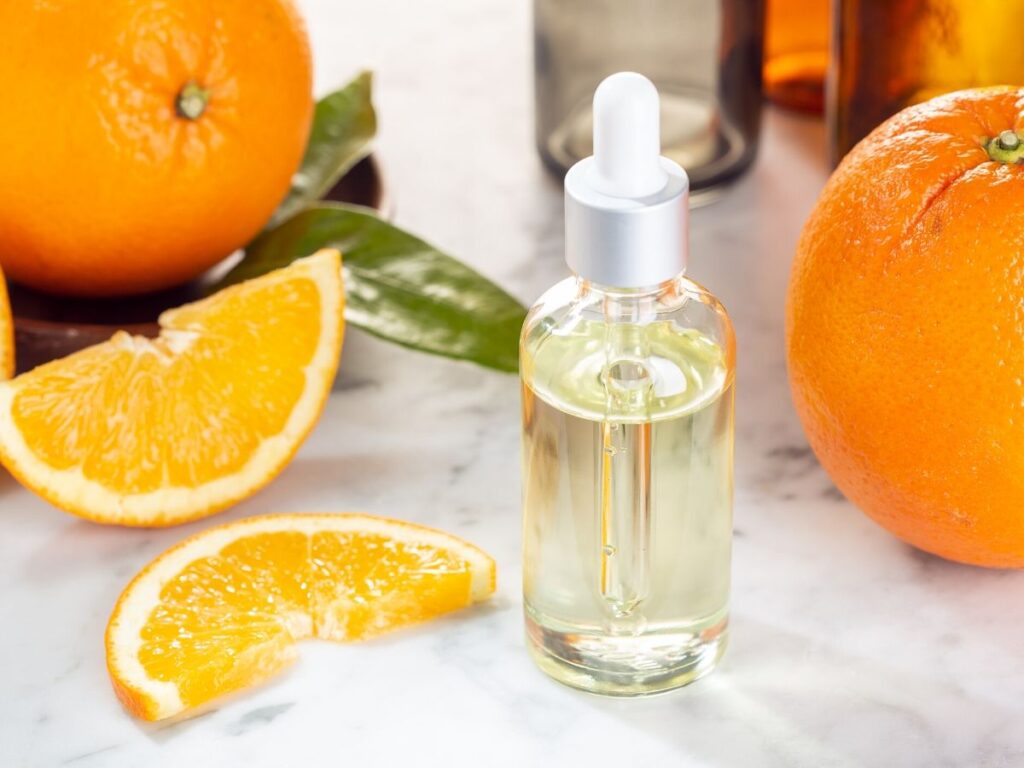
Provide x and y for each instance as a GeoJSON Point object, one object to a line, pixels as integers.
{"type": "Point", "coordinates": [848, 648]}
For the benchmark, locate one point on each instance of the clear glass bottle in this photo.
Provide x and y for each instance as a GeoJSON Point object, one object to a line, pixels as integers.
{"type": "Point", "coordinates": [796, 53]}
{"type": "Point", "coordinates": [704, 56]}
{"type": "Point", "coordinates": [627, 383]}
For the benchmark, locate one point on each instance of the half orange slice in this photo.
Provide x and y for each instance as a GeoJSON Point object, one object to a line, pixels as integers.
{"type": "Point", "coordinates": [224, 609]}
{"type": "Point", "coordinates": [151, 432]}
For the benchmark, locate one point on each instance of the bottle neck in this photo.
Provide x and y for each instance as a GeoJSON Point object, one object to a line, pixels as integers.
{"type": "Point", "coordinates": [630, 305]}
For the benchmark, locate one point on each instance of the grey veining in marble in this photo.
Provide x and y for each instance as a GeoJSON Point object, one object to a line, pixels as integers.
{"type": "Point", "coordinates": [848, 648]}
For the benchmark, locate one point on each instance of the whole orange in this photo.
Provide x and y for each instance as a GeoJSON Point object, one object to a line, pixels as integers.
{"type": "Point", "coordinates": [905, 326]}
{"type": "Point", "coordinates": [144, 140]}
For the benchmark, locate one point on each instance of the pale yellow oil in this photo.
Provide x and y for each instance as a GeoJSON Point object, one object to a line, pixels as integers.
{"type": "Point", "coordinates": [628, 476]}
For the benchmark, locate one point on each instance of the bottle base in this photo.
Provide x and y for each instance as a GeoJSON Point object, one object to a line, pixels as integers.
{"type": "Point", "coordinates": [796, 81]}
{"type": "Point", "coordinates": [628, 665]}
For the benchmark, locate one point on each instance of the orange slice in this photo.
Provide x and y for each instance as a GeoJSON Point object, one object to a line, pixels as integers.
{"type": "Point", "coordinates": [223, 609]}
{"type": "Point", "coordinates": [153, 432]}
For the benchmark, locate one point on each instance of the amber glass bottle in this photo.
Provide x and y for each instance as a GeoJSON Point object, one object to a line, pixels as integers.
{"type": "Point", "coordinates": [796, 53]}
{"type": "Point", "coordinates": [890, 54]}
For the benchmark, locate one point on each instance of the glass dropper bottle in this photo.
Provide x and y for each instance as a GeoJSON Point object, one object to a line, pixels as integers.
{"type": "Point", "coordinates": [627, 378]}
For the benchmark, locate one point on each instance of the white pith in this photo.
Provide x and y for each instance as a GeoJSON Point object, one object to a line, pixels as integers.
{"type": "Point", "coordinates": [143, 594]}
{"type": "Point", "coordinates": [70, 489]}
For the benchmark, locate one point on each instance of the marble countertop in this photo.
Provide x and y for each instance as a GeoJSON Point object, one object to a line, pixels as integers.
{"type": "Point", "coordinates": [847, 647]}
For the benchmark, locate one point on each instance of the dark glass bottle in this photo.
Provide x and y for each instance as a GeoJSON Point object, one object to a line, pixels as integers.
{"type": "Point", "coordinates": [890, 54]}
{"type": "Point", "coordinates": [704, 56]}
{"type": "Point", "coordinates": [796, 53]}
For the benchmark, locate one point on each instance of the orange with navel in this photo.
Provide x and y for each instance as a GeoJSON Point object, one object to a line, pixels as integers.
{"type": "Point", "coordinates": [905, 326]}
{"type": "Point", "coordinates": [144, 141]}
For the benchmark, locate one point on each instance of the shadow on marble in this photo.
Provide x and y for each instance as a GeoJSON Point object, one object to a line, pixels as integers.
{"type": "Point", "coordinates": [934, 567]}
{"type": "Point", "coordinates": [8, 484]}
{"type": "Point", "coordinates": [777, 695]}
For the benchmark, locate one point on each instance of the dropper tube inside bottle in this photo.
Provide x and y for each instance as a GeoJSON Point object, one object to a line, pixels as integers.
{"type": "Point", "coordinates": [625, 498]}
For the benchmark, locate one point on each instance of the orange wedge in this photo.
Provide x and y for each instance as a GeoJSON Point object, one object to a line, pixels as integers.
{"type": "Point", "coordinates": [223, 610]}
{"type": "Point", "coordinates": [152, 432]}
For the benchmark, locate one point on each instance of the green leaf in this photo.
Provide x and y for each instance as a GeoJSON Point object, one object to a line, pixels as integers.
{"type": "Point", "coordinates": [398, 287]}
{"type": "Point", "coordinates": [344, 124]}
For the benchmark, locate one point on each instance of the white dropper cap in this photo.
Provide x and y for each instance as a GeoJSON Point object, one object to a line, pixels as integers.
{"type": "Point", "coordinates": [626, 208]}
